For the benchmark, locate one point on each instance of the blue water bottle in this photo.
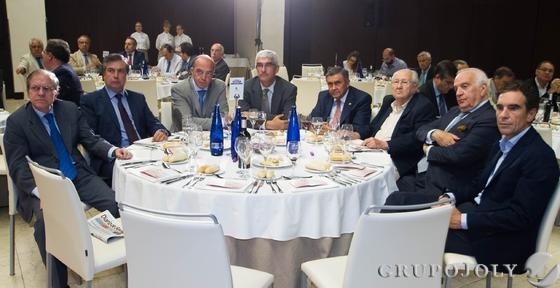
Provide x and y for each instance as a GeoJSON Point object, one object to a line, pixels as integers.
{"type": "Point", "coordinates": [293, 126]}
{"type": "Point", "coordinates": [145, 70]}
{"type": "Point", "coordinates": [216, 133]}
{"type": "Point", "coordinates": [235, 127]}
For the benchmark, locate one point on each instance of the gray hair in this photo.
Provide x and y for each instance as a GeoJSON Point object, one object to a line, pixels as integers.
{"type": "Point", "coordinates": [480, 76]}
{"type": "Point", "coordinates": [267, 54]}
{"type": "Point", "coordinates": [50, 74]}
{"type": "Point", "coordinates": [424, 54]}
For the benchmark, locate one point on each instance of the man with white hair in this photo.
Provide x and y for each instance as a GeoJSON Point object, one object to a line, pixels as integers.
{"type": "Point", "coordinates": [217, 54]}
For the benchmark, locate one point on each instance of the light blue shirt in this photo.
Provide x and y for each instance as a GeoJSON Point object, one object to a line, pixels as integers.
{"type": "Point", "coordinates": [115, 103]}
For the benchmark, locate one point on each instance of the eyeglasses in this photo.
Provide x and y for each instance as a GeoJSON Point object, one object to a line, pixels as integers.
{"type": "Point", "coordinates": [39, 88]}
{"type": "Point", "coordinates": [404, 82]}
{"type": "Point", "coordinates": [265, 65]}
{"type": "Point", "coordinates": [201, 73]}
{"type": "Point", "coordinates": [547, 70]}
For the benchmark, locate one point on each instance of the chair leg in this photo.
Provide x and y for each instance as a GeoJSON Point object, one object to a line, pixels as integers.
{"type": "Point", "coordinates": [489, 280]}
{"type": "Point", "coordinates": [49, 261]}
{"type": "Point", "coordinates": [509, 281]}
{"type": "Point", "coordinates": [89, 284]}
{"type": "Point", "coordinates": [12, 245]}
{"type": "Point", "coordinates": [446, 281]}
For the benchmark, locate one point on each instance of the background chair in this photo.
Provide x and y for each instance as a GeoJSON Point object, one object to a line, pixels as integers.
{"type": "Point", "coordinates": [181, 250]}
{"type": "Point", "coordinates": [149, 89]}
{"type": "Point", "coordinates": [12, 204]}
{"type": "Point", "coordinates": [88, 85]}
{"type": "Point", "coordinates": [283, 73]}
{"type": "Point", "coordinates": [383, 240]}
{"type": "Point", "coordinates": [461, 261]}
{"type": "Point", "coordinates": [67, 234]}
{"type": "Point", "coordinates": [307, 92]}
{"type": "Point", "coordinates": [312, 70]}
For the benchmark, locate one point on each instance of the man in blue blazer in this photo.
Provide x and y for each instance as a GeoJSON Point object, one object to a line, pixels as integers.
{"type": "Point", "coordinates": [459, 141]}
{"type": "Point", "coordinates": [439, 89]}
{"type": "Point", "coordinates": [134, 58]}
{"type": "Point", "coordinates": [499, 213]}
{"type": "Point", "coordinates": [344, 103]}
{"type": "Point", "coordinates": [104, 116]}
{"type": "Point", "coordinates": [394, 128]}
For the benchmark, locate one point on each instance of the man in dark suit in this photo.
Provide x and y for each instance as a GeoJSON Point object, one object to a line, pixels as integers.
{"type": "Point", "coordinates": [425, 69]}
{"type": "Point", "coordinates": [221, 68]}
{"type": "Point", "coordinates": [459, 141]}
{"type": "Point", "coordinates": [268, 92]}
{"type": "Point", "coordinates": [394, 127]}
{"type": "Point", "coordinates": [187, 55]}
{"type": "Point", "coordinates": [102, 110]}
{"type": "Point", "coordinates": [29, 131]}
{"type": "Point", "coordinates": [134, 58]}
{"type": "Point", "coordinates": [55, 59]}
{"type": "Point", "coordinates": [343, 103]}
{"type": "Point", "coordinates": [541, 84]}
{"type": "Point", "coordinates": [499, 213]}
{"type": "Point", "coordinates": [439, 90]}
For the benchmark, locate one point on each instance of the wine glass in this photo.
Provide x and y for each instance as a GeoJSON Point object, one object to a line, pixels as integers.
{"type": "Point", "coordinates": [346, 135]}
{"type": "Point", "coordinates": [293, 150]}
{"type": "Point", "coordinates": [317, 123]}
{"type": "Point", "coordinates": [333, 124]}
{"type": "Point", "coordinates": [253, 115]}
{"type": "Point", "coordinates": [262, 118]}
{"type": "Point", "coordinates": [266, 145]}
{"type": "Point", "coordinates": [244, 149]}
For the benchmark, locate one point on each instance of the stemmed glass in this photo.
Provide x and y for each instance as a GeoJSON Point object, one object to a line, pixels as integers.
{"type": "Point", "coordinates": [317, 123]}
{"type": "Point", "coordinates": [262, 118]}
{"type": "Point", "coordinates": [333, 124]}
{"type": "Point", "coordinates": [345, 135]}
{"type": "Point", "coordinates": [244, 149]}
{"type": "Point", "coordinates": [266, 146]}
{"type": "Point", "coordinates": [253, 115]}
{"type": "Point", "coordinates": [194, 140]}
{"type": "Point", "coordinates": [293, 150]}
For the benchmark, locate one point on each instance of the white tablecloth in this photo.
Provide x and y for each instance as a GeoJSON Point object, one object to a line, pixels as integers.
{"type": "Point", "coordinates": [312, 214]}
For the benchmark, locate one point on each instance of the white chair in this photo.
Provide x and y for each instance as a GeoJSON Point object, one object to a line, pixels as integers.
{"type": "Point", "coordinates": [12, 202]}
{"type": "Point", "coordinates": [67, 234]}
{"type": "Point", "coordinates": [149, 89]}
{"type": "Point", "coordinates": [283, 73]}
{"type": "Point", "coordinates": [460, 261]}
{"type": "Point", "coordinates": [88, 85]}
{"type": "Point", "coordinates": [307, 92]}
{"type": "Point", "coordinates": [166, 114]}
{"type": "Point", "coordinates": [383, 240]}
{"type": "Point", "coordinates": [181, 250]}
{"type": "Point", "coordinates": [312, 70]}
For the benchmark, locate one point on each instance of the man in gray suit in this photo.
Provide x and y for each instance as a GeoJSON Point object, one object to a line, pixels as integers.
{"type": "Point", "coordinates": [268, 92]}
{"type": "Point", "coordinates": [29, 131]}
{"type": "Point", "coordinates": [196, 96]}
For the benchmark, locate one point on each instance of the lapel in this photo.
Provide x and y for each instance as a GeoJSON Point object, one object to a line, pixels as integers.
{"type": "Point", "coordinates": [37, 127]}
{"type": "Point", "coordinates": [258, 92]}
{"type": "Point", "coordinates": [65, 127]}
{"type": "Point", "coordinates": [194, 96]}
{"type": "Point", "coordinates": [382, 117]}
{"type": "Point", "coordinates": [348, 106]}
{"type": "Point", "coordinates": [133, 105]}
{"type": "Point", "coordinates": [405, 113]}
{"type": "Point", "coordinates": [108, 108]}
{"type": "Point", "coordinates": [278, 89]}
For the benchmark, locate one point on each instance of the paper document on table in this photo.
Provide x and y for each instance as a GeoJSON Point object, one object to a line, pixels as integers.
{"type": "Point", "coordinates": [154, 173]}
{"type": "Point", "coordinates": [365, 173]}
{"type": "Point", "coordinates": [314, 183]}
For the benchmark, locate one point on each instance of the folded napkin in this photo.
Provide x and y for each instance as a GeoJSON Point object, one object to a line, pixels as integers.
{"type": "Point", "coordinates": [217, 184]}
{"type": "Point", "coordinates": [308, 182]}
{"type": "Point", "coordinates": [154, 173]}
{"type": "Point", "coordinates": [363, 173]}
{"type": "Point", "coordinates": [350, 166]}
{"type": "Point", "coordinates": [316, 165]}
{"type": "Point", "coordinates": [171, 144]}
{"type": "Point", "coordinates": [175, 157]}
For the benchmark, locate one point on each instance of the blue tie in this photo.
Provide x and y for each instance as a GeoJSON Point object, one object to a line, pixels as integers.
{"type": "Point", "coordinates": [441, 105]}
{"type": "Point", "coordinates": [65, 161]}
{"type": "Point", "coordinates": [201, 94]}
{"type": "Point", "coordinates": [185, 65]}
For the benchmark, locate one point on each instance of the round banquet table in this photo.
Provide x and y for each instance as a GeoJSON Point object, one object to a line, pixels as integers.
{"type": "Point", "coordinates": [273, 232]}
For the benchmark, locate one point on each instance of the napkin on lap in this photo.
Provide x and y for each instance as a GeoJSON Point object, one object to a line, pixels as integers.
{"type": "Point", "coordinates": [318, 165]}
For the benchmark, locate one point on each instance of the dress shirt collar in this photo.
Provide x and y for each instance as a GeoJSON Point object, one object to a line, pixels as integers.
{"type": "Point", "coordinates": [42, 114]}
{"type": "Point", "coordinates": [196, 88]}
{"type": "Point", "coordinates": [398, 108]}
{"type": "Point", "coordinates": [507, 144]}
{"type": "Point", "coordinates": [342, 100]}
{"type": "Point", "coordinates": [270, 88]}
{"type": "Point", "coordinates": [112, 93]}
{"type": "Point", "coordinates": [477, 106]}
{"type": "Point", "coordinates": [435, 88]}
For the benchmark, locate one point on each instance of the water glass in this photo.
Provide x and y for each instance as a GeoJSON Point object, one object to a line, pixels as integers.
{"type": "Point", "coordinates": [244, 149]}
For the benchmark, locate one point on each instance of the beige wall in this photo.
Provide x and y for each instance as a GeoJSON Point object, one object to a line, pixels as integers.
{"type": "Point", "coordinates": [27, 20]}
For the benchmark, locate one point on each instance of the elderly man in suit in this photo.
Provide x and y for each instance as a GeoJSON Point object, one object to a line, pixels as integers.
{"type": "Point", "coordinates": [196, 96]}
{"type": "Point", "coordinates": [439, 90]}
{"type": "Point", "coordinates": [344, 104]}
{"type": "Point", "coordinates": [457, 143]}
{"type": "Point", "coordinates": [33, 60]}
{"type": "Point", "coordinates": [118, 115]}
{"type": "Point", "coordinates": [217, 54]}
{"type": "Point", "coordinates": [394, 128]}
{"type": "Point", "coordinates": [134, 58]}
{"type": "Point", "coordinates": [55, 59]}
{"type": "Point", "coordinates": [499, 212]}
{"type": "Point", "coordinates": [425, 69]}
{"type": "Point", "coordinates": [82, 60]}
{"type": "Point", "coordinates": [269, 92]}
{"type": "Point", "coordinates": [48, 131]}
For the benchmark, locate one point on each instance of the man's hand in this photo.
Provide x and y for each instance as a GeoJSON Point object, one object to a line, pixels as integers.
{"type": "Point", "coordinates": [375, 143]}
{"type": "Point", "coordinates": [455, 222]}
{"type": "Point", "coordinates": [123, 154]}
{"type": "Point", "coordinates": [554, 86]}
{"type": "Point", "coordinates": [21, 70]}
{"type": "Point", "coordinates": [159, 136]}
{"type": "Point", "coordinates": [444, 139]}
{"type": "Point", "coordinates": [277, 123]}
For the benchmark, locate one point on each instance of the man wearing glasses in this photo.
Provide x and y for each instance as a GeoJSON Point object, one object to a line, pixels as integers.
{"type": "Point", "coordinates": [196, 96]}
{"type": "Point", "coordinates": [268, 92]}
{"type": "Point", "coordinates": [541, 84]}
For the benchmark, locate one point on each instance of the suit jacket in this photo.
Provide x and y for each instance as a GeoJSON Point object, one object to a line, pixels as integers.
{"type": "Point", "coordinates": [221, 70]}
{"type": "Point", "coordinates": [137, 59]}
{"type": "Point", "coordinates": [429, 91]}
{"type": "Point", "coordinates": [185, 73]}
{"type": "Point", "coordinates": [404, 148]}
{"type": "Point", "coordinates": [504, 227]}
{"type": "Point", "coordinates": [28, 62]}
{"type": "Point", "coordinates": [356, 110]}
{"type": "Point", "coordinates": [531, 85]}
{"type": "Point", "coordinates": [456, 165]}
{"type": "Point", "coordinates": [429, 75]}
{"type": "Point", "coordinates": [283, 98]}
{"type": "Point", "coordinates": [185, 100]}
{"type": "Point", "coordinates": [26, 135]}
{"type": "Point", "coordinates": [70, 86]}
{"type": "Point", "coordinates": [78, 64]}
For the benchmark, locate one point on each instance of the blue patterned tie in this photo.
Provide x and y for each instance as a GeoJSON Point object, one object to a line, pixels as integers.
{"type": "Point", "coordinates": [441, 105]}
{"type": "Point", "coordinates": [65, 164]}
{"type": "Point", "coordinates": [201, 94]}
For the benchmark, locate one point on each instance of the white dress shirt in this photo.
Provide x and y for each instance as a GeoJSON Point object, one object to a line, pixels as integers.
{"type": "Point", "coordinates": [142, 40]}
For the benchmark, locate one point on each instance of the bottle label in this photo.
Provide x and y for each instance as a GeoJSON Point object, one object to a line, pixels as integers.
{"type": "Point", "coordinates": [216, 145]}
{"type": "Point", "coordinates": [293, 147]}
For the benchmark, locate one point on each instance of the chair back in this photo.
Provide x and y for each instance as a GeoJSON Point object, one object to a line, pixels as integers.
{"type": "Point", "coordinates": [149, 89]}
{"type": "Point", "coordinates": [307, 92]}
{"type": "Point", "coordinates": [88, 85]}
{"type": "Point", "coordinates": [547, 223]}
{"type": "Point", "coordinates": [283, 73]}
{"type": "Point", "coordinates": [174, 250]}
{"type": "Point", "coordinates": [382, 241]}
{"type": "Point", "coordinates": [12, 193]}
{"type": "Point", "coordinates": [312, 70]}
{"type": "Point", "coordinates": [66, 229]}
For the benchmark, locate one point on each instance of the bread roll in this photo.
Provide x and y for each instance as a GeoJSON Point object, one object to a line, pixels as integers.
{"type": "Point", "coordinates": [207, 169]}
{"type": "Point", "coordinates": [172, 144]}
{"type": "Point", "coordinates": [340, 157]}
{"type": "Point", "coordinates": [175, 157]}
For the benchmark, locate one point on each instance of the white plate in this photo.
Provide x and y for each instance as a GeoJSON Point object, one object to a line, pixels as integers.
{"type": "Point", "coordinates": [284, 162]}
{"type": "Point", "coordinates": [319, 172]}
{"type": "Point", "coordinates": [177, 163]}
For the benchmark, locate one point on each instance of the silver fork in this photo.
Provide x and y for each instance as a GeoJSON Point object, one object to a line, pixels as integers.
{"type": "Point", "coordinates": [275, 182]}
{"type": "Point", "coordinates": [271, 187]}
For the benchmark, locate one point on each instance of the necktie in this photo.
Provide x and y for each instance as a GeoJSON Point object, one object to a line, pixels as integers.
{"type": "Point", "coordinates": [264, 102]}
{"type": "Point", "coordinates": [441, 105]}
{"type": "Point", "coordinates": [422, 78]}
{"type": "Point", "coordinates": [86, 60]}
{"type": "Point", "coordinates": [128, 128]}
{"type": "Point", "coordinates": [456, 120]}
{"type": "Point", "coordinates": [337, 111]}
{"type": "Point", "coordinates": [129, 59]}
{"type": "Point", "coordinates": [185, 66]}
{"type": "Point", "coordinates": [40, 62]}
{"type": "Point", "coordinates": [201, 94]}
{"type": "Point", "coordinates": [65, 161]}
{"type": "Point", "coordinates": [168, 66]}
